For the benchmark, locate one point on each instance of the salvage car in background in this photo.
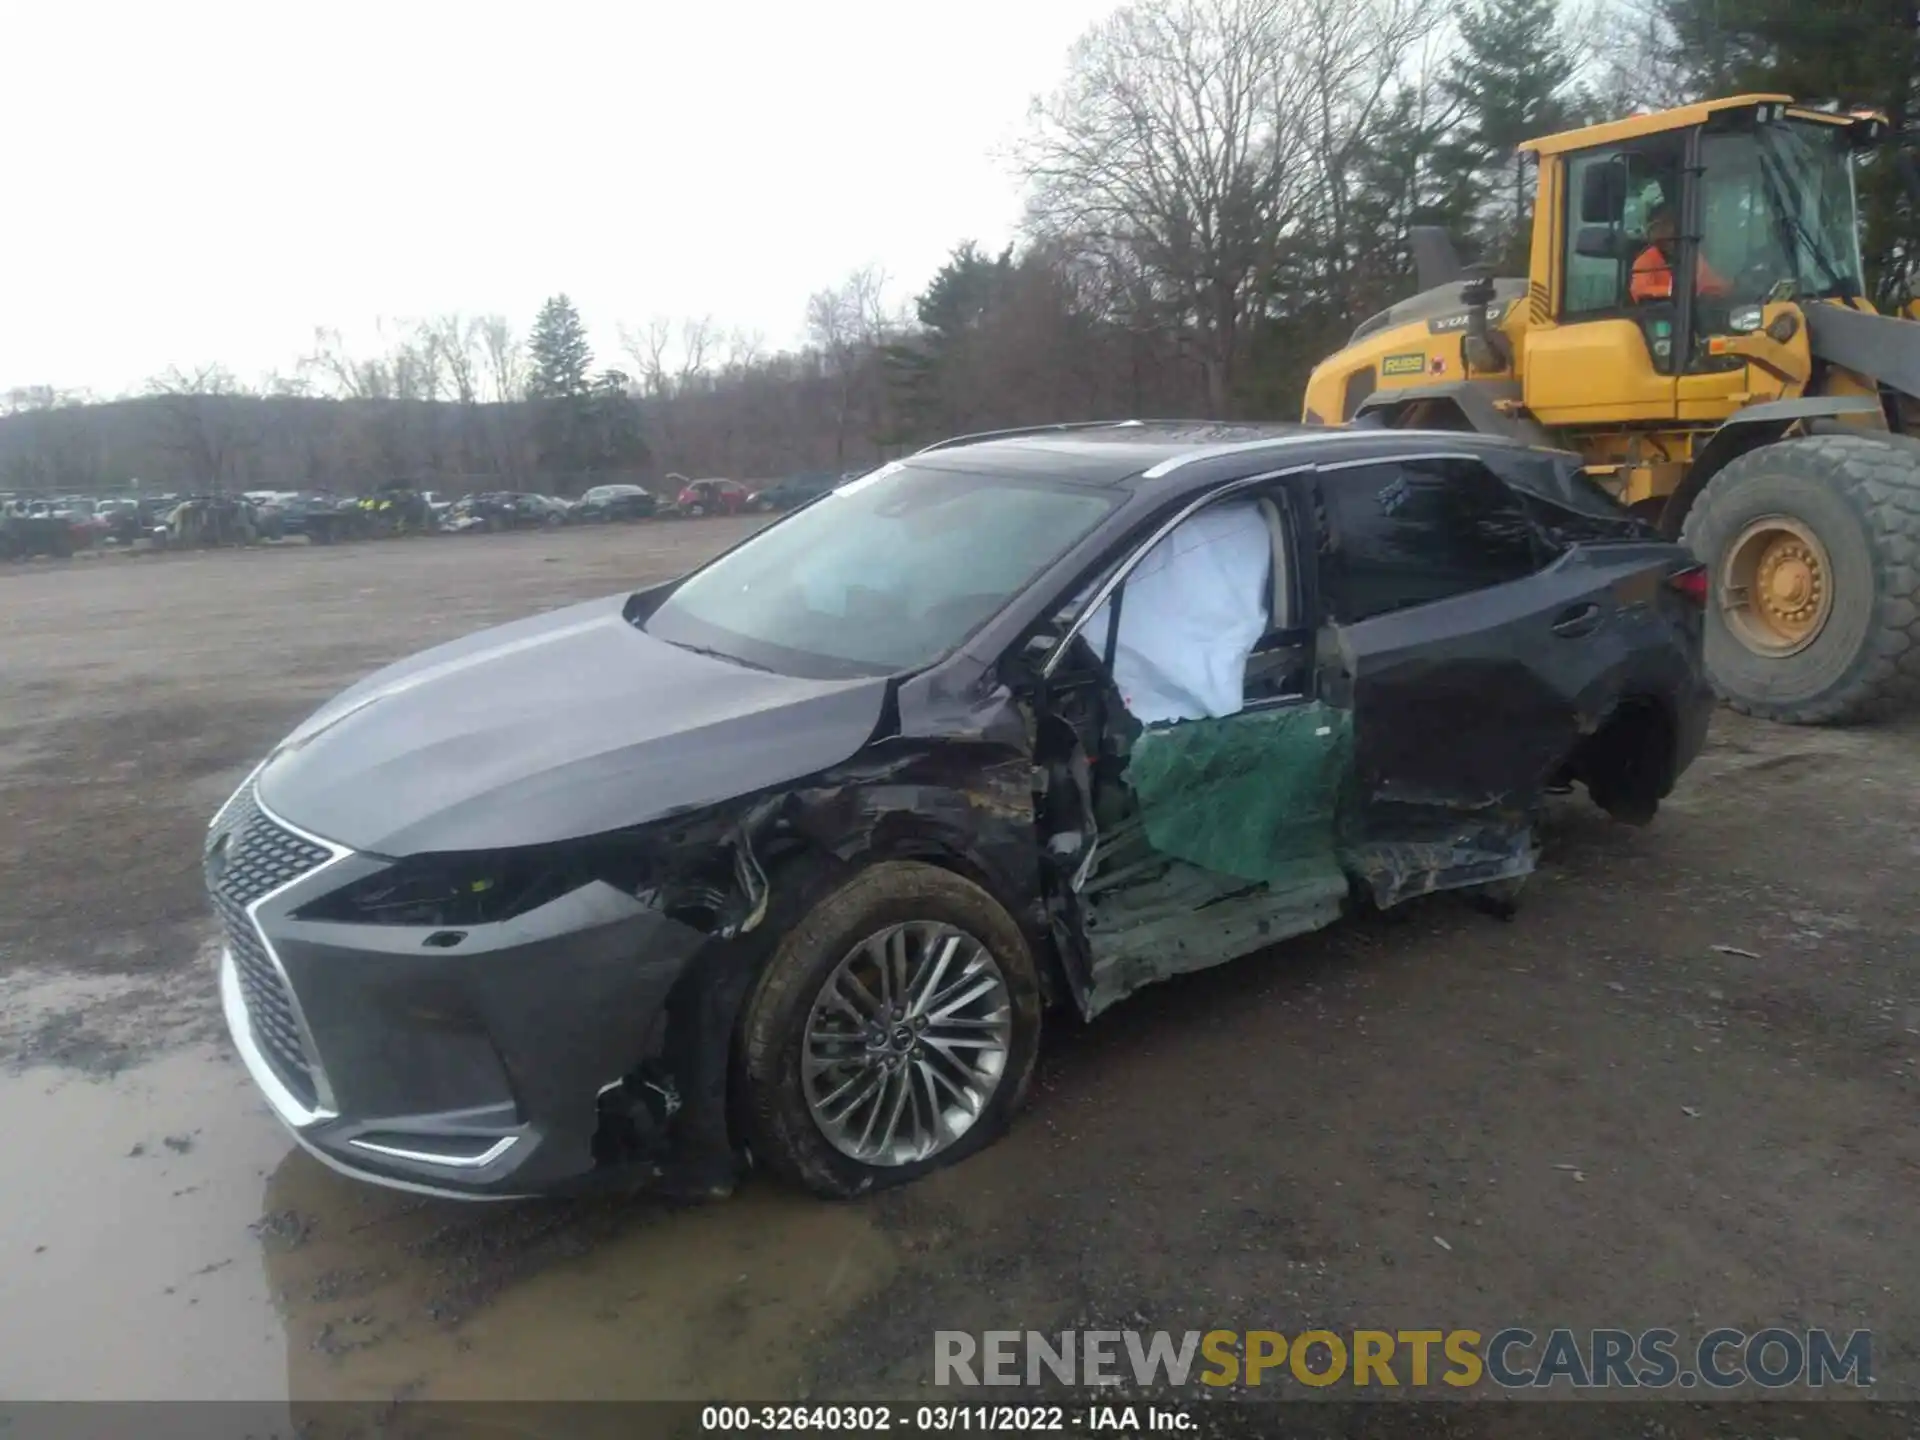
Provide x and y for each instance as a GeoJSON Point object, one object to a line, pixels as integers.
{"type": "Point", "coordinates": [504, 510]}
{"type": "Point", "coordinates": [604, 504]}
{"type": "Point", "coordinates": [712, 497]}
{"type": "Point", "coordinates": [25, 533]}
{"type": "Point", "coordinates": [793, 491]}
{"type": "Point", "coordinates": [321, 518]}
{"type": "Point", "coordinates": [788, 858]}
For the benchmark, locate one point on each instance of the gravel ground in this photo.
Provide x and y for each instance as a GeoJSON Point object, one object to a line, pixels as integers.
{"type": "Point", "coordinates": [1677, 1089]}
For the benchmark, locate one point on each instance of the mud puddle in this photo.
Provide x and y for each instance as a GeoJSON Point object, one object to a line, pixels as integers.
{"type": "Point", "coordinates": [160, 1238]}
{"type": "Point", "coordinates": [127, 1270]}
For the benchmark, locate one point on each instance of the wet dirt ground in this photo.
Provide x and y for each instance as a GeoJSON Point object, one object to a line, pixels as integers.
{"type": "Point", "coordinates": [1679, 1088]}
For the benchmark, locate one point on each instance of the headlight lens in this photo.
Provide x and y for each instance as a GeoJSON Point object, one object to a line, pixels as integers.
{"type": "Point", "coordinates": [686, 877]}
{"type": "Point", "coordinates": [477, 889]}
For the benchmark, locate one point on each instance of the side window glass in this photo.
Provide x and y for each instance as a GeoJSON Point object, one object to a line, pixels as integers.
{"type": "Point", "coordinates": [1411, 533]}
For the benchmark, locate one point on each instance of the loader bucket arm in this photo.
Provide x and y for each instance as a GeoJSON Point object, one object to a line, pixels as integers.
{"type": "Point", "coordinates": [1876, 347]}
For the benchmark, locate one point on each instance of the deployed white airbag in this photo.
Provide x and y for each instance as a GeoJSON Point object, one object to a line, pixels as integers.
{"type": "Point", "coordinates": [1193, 610]}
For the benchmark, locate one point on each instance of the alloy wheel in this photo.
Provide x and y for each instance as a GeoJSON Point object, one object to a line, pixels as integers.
{"type": "Point", "coordinates": [906, 1043]}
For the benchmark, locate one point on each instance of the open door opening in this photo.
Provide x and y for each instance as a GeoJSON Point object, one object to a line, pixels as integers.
{"type": "Point", "coordinates": [1192, 784]}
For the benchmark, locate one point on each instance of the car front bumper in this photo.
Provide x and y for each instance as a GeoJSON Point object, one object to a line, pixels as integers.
{"type": "Point", "coordinates": [470, 1067]}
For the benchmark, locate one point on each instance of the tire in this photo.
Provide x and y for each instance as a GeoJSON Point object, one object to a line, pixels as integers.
{"type": "Point", "coordinates": [782, 1132]}
{"type": "Point", "coordinates": [1860, 498]}
{"type": "Point", "coordinates": [696, 511]}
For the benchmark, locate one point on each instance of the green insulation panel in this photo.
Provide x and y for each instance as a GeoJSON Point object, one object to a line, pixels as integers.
{"type": "Point", "coordinates": [1253, 795]}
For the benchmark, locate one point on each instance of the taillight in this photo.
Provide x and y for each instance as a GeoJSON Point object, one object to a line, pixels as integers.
{"type": "Point", "coordinates": [1692, 583]}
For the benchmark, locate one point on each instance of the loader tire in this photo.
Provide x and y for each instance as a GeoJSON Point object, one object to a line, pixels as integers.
{"type": "Point", "coordinates": [1859, 498]}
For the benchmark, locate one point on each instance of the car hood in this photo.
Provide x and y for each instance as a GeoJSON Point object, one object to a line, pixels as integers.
{"type": "Point", "coordinates": [568, 724]}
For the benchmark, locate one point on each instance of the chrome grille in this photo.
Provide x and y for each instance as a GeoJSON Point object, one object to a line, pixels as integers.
{"type": "Point", "coordinates": [249, 856]}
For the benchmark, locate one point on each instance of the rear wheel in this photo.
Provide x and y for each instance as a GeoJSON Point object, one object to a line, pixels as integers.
{"type": "Point", "coordinates": [1814, 549]}
{"type": "Point", "coordinates": [894, 1032]}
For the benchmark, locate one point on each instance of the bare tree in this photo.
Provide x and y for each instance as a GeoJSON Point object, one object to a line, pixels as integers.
{"type": "Point", "coordinates": [332, 367]}
{"type": "Point", "coordinates": [696, 338]}
{"type": "Point", "coordinates": [202, 421]}
{"type": "Point", "coordinates": [1351, 54]}
{"type": "Point", "coordinates": [26, 399]}
{"type": "Point", "coordinates": [455, 343]}
{"type": "Point", "coordinates": [744, 350]}
{"type": "Point", "coordinates": [1192, 138]}
{"type": "Point", "coordinates": [649, 348]}
{"type": "Point", "coordinates": [1637, 63]}
{"type": "Point", "coordinates": [1178, 141]}
{"type": "Point", "coordinates": [505, 358]}
{"type": "Point", "coordinates": [845, 325]}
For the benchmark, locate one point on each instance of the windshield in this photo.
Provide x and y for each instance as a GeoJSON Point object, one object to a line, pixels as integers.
{"type": "Point", "coordinates": [1779, 208]}
{"type": "Point", "coordinates": [885, 575]}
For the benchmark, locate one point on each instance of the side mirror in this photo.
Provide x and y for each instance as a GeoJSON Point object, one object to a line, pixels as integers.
{"type": "Point", "coordinates": [1600, 242]}
{"type": "Point", "coordinates": [1603, 193]}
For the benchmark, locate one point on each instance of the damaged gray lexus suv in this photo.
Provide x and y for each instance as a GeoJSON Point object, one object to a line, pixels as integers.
{"type": "Point", "coordinates": [786, 862]}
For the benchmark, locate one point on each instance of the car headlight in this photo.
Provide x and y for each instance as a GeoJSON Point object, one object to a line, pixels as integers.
{"type": "Point", "coordinates": [692, 882]}
{"type": "Point", "coordinates": [465, 889]}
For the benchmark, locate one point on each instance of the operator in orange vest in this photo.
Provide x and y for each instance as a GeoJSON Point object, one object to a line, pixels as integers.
{"type": "Point", "coordinates": [1653, 270]}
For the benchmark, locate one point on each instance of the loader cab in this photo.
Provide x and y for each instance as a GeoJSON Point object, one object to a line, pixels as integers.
{"type": "Point", "coordinates": [1757, 200]}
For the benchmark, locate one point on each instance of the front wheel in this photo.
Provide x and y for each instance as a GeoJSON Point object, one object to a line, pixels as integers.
{"type": "Point", "coordinates": [1813, 546]}
{"type": "Point", "coordinates": [894, 1031]}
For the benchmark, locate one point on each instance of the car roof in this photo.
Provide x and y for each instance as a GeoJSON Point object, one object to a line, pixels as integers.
{"type": "Point", "coordinates": [1137, 453]}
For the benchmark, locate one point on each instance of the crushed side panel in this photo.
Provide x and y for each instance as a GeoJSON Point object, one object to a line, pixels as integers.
{"type": "Point", "coordinates": [1443, 853]}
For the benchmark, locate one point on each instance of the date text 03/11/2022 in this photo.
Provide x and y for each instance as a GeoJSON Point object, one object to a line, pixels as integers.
{"type": "Point", "coordinates": [941, 1419]}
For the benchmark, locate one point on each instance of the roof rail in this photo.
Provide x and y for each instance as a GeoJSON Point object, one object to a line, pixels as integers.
{"type": "Point", "coordinates": [1019, 430]}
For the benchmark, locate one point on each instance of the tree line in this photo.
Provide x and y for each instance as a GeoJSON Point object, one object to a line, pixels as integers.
{"type": "Point", "coordinates": [1217, 191]}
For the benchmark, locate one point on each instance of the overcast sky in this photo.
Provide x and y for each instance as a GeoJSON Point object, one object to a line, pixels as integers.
{"type": "Point", "coordinates": [200, 182]}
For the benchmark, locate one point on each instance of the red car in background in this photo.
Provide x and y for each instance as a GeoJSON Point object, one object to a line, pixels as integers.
{"type": "Point", "coordinates": [713, 497]}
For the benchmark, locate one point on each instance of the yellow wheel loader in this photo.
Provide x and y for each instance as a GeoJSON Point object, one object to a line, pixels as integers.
{"type": "Point", "coordinates": [1694, 325]}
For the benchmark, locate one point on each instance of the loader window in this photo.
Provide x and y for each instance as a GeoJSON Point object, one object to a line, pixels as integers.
{"type": "Point", "coordinates": [1779, 206]}
{"type": "Point", "coordinates": [1599, 249]}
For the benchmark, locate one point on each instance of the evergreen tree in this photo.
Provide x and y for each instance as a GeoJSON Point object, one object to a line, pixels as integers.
{"type": "Point", "coordinates": [618, 442]}
{"type": "Point", "coordinates": [557, 384]}
{"type": "Point", "coordinates": [1406, 180]}
{"type": "Point", "coordinates": [559, 352]}
{"type": "Point", "coordinates": [1513, 80]}
{"type": "Point", "coordinates": [926, 371]}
